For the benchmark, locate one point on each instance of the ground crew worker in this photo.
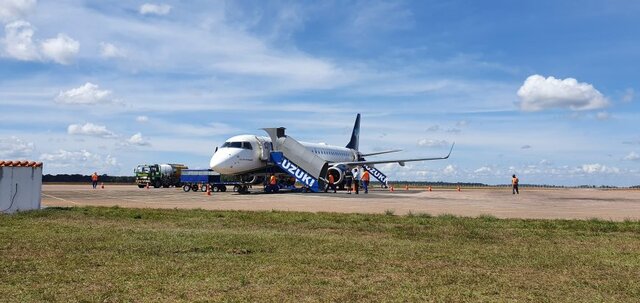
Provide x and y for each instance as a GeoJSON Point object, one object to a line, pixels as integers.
{"type": "Point", "coordinates": [348, 179]}
{"type": "Point", "coordinates": [365, 181]}
{"type": "Point", "coordinates": [94, 179]}
{"type": "Point", "coordinates": [331, 184]}
{"type": "Point", "coordinates": [514, 184]}
{"type": "Point", "coordinates": [356, 180]}
{"type": "Point", "coordinates": [273, 182]}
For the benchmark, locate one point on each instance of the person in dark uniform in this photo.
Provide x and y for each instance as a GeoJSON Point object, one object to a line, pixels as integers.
{"type": "Point", "coordinates": [348, 179]}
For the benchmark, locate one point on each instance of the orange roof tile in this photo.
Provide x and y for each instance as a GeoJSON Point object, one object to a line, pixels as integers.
{"type": "Point", "coordinates": [23, 163]}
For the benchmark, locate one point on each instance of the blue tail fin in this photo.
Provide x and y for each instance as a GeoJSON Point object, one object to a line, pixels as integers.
{"type": "Point", "coordinates": [355, 135]}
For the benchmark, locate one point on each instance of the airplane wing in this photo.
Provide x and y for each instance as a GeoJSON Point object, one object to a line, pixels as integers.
{"type": "Point", "coordinates": [382, 152]}
{"type": "Point", "coordinates": [399, 161]}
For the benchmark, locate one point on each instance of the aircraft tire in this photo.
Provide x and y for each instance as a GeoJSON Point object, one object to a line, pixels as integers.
{"type": "Point", "coordinates": [186, 188]}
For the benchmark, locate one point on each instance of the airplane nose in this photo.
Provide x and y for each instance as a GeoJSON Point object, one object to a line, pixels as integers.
{"type": "Point", "coordinates": [216, 163]}
{"type": "Point", "coordinates": [223, 162]}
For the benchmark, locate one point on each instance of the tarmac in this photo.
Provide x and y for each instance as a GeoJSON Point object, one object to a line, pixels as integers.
{"type": "Point", "coordinates": [616, 205]}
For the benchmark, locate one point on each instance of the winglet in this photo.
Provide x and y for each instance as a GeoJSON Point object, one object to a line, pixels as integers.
{"type": "Point", "coordinates": [449, 154]}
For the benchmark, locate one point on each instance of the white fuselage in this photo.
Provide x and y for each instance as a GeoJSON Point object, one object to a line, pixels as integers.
{"type": "Point", "coordinates": [248, 153]}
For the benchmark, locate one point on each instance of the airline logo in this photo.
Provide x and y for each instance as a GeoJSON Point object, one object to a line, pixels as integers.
{"type": "Point", "coordinates": [295, 171]}
{"type": "Point", "coordinates": [376, 173]}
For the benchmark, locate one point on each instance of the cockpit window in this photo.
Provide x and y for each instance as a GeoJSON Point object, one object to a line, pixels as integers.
{"type": "Point", "coordinates": [243, 145]}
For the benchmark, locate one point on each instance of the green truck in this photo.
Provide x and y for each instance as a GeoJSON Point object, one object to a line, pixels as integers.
{"type": "Point", "coordinates": [159, 175]}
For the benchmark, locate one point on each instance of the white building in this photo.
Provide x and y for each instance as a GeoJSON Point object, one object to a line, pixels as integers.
{"type": "Point", "coordinates": [20, 185]}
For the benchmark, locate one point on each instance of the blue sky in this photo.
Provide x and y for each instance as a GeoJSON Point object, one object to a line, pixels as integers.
{"type": "Point", "coordinates": [544, 89]}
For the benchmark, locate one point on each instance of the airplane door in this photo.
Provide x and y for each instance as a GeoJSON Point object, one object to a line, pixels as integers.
{"type": "Point", "coordinates": [265, 149]}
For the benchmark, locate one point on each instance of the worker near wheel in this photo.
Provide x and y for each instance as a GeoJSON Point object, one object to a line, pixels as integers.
{"type": "Point", "coordinates": [365, 181]}
{"type": "Point", "coordinates": [331, 183]}
{"type": "Point", "coordinates": [273, 182]}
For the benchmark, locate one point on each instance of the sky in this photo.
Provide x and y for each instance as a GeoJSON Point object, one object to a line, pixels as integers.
{"type": "Point", "coordinates": [547, 90]}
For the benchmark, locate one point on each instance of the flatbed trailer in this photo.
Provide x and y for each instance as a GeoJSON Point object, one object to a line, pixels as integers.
{"type": "Point", "coordinates": [199, 179]}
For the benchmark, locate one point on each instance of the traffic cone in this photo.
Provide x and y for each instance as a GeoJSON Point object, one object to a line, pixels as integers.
{"type": "Point", "coordinates": [458, 187]}
{"type": "Point", "coordinates": [102, 185]}
{"type": "Point", "coordinates": [208, 190]}
{"type": "Point", "coordinates": [406, 187]}
{"type": "Point", "coordinates": [429, 188]}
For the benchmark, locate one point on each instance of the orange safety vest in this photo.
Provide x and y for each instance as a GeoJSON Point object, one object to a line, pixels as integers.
{"type": "Point", "coordinates": [331, 179]}
{"type": "Point", "coordinates": [272, 180]}
{"type": "Point", "coordinates": [94, 177]}
{"type": "Point", "coordinates": [514, 181]}
{"type": "Point", "coordinates": [365, 176]}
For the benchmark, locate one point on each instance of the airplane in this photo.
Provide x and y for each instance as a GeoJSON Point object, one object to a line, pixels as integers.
{"type": "Point", "coordinates": [248, 157]}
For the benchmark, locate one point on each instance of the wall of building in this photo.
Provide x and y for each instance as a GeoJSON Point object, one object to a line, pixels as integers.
{"type": "Point", "coordinates": [20, 186]}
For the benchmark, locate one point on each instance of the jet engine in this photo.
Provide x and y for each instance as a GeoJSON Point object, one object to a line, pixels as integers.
{"type": "Point", "coordinates": [337, 171]}
{"type": "Point", "coordinates": [252, 179]}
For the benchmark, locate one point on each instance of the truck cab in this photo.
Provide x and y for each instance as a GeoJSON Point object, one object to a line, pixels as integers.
{"type": "Point", "coordinates": [158, 175]}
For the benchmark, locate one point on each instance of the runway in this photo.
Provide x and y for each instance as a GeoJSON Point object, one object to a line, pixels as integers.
{"type": "Point", "coordinates": [614, 205]}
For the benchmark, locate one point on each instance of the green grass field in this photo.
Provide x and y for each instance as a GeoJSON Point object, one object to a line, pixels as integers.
{"type": "Point", "coordinates": [115, 254]}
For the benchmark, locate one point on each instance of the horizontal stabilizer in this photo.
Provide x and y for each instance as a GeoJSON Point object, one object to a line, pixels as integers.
{"type": "Point", "coordinates": [399, 161]}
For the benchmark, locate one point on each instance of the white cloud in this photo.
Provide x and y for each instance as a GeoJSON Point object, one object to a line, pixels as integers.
{"type": "Point", "coordinates": [628, 96]}
{"type": "Point", "coordinates": [449, 170]}
{"type": "Point", "coordinates": [545, 162]}
{"type": "Point", "coordinates": [432, 143]}
{"type": "Point", "coordinates": [18, 43]}
{"type": "Point", "coordinates": [603, 116]}
{"type": "Point", "coordinates": [90, 129]}
{"type": "Point", "coordinates": [462, 123]}
{"type": "Point", "coordinates": [13, 148]}
{"type": "Point", "coordinates": [78, 161]}
{"type": "Point", "coordinates": [382, 16]}
{"type": "Point", "coordinates": [483, 170]}
{"type": "Point", "coordinates": [89, 93]}
{"type": "Point", "coordinates": [433, 128]}
{"type": "Point", "coordinates": [11, 10]}
{"type": "Point", "coordinates": [137, 139]}
{"type": "Point", "coordinates": [599, 168]}
{"type": "Point", "coordinates": [539, 93]}
{"type": "Point", "coordinates": [154, 9]}
{"type": "Point", "coordinates": [108, 50]}
{"type": "Point", "coordinates": [61, 49]}
{"type": "Point", "coordinates": [453, 130]}
{"type": "Point", "coordinates": [142, 119]}
{"type": "Point", "coordinates": [632, 156]}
